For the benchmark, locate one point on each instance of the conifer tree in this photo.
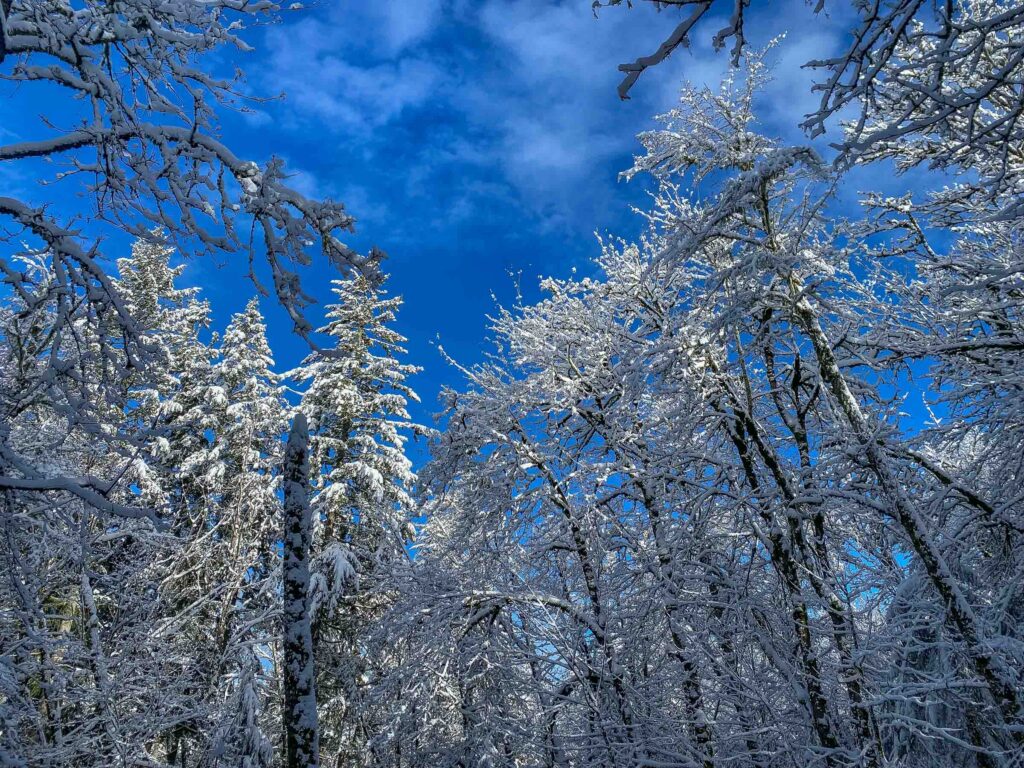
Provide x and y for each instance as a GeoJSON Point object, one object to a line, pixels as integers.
{"type": "Point", "coordinates": [246, 417]}
{"type": "Point", "coordinates": [356, 402]}
{"type": "Point", "coordinates": [172, 320]}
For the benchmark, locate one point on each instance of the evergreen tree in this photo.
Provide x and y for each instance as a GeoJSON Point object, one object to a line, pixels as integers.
{"type": "Point", "coordinates": [162, 398]}
{"type": "Point", "coordinates": [356, 402]}
{"type": "Point", "coordinates": [236, 554]}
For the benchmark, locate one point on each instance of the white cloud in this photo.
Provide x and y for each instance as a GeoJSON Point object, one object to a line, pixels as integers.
{"type": "Point", "coordinates": [365, 96]}
{"type": "Point", "coordinates": [355, 65]}
{"type": "Point", "coordinates": [549, 100]}
{"type": "Point", "coordinates": [526, 89]}
{"type": "Point", "coordinates": [404, 23]}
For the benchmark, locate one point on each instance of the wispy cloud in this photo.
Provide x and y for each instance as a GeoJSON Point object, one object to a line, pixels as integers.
{"type": "Point", "coordinates": [505, 94]}
{"type": "Point", "coordinates": [344, 83]}
{"type": "Point", "coordinates": [477, 138]}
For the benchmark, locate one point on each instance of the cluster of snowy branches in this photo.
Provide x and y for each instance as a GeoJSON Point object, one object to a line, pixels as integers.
{"type": "Point", "coordinates": [141, 619]}
{"type": "Point", "coordinates": [143, 623]}
{"type": "Point", "coordinates": [752, 494]}
{"type": "Point", "coordinates": [684, 516]}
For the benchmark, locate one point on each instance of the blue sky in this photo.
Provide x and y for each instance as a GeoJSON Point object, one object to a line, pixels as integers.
{"type": "Point", "coordinates": [477, 143]}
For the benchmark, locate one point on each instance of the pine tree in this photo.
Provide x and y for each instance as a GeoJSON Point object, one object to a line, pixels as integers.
{"type": "Point", "coordinates": [356, 402]}
{"type": "Point", "coordinates": [246, 417]}
{"type": "Point", "coordinates": [161, 397]}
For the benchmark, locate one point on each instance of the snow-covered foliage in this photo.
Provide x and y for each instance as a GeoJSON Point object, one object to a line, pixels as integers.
{"type": "Point", "coordinates": [355, 399]}
{"type": "Point", "coordinates": [927, 82]}
{"type": "Point", "coordinates": [750, 494]}
{"type": "Point", "coordinates": [143, 621]}
{"type": "Point", "coordinates": [141, 140]}
{"type": "Point", "coordinates": [681, 518]}
{"type": "Point", "coordinates": [139, 459]}
{"type": "Point", "coordinates": [149, 140]}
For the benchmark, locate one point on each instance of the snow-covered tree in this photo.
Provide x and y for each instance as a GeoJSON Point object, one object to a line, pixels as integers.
{"type": "Point", "coordinates": [142, 128]}
{"type": "Point", "coordinates": [226, 570]}
{"type": "Point", "coordinates": [171, 319]}
{"type": "Point", "coordinates": [356, 400]}
{"type": "Point", "coordinates": [679, 516]}
{"type": "Point", "coordinates": [934, 83]}
{"type": "Point", "coordinates": [688, 512]}
{"type": "Point", "coordinates": [80, 581]}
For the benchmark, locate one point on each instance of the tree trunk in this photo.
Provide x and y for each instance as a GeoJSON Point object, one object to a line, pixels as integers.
{"type": "Point", "coordinates": [302, 733]}
{"type": "Point", "coordinates": [959, 613]}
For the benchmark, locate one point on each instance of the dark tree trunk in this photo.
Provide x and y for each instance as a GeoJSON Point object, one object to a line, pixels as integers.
{"type": "Point", "coordinates": [302, 733]}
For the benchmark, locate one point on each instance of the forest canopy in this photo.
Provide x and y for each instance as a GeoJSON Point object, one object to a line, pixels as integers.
{"type": "Point", "coordinates": [747, 491]}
